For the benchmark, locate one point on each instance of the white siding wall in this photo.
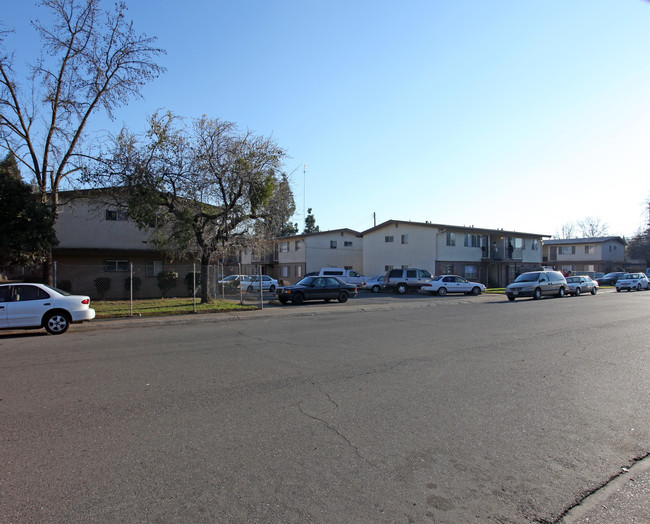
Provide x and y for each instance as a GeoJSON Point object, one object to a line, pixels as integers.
{"type": "Point", "coordinates": [319, 254]}
{"type": "Point", "coordinates": [419, 252]}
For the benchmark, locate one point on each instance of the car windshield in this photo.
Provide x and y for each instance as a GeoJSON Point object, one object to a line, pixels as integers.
{"type": "Point", "coordinates": [611, 275]}
{"type": "Point", "coordinates": [439, 277]}
{"type": "Point", "coordinates": [573, 280]}
{"type": "Point", "coordinates": [230, 278]}
{"type": "Point", "coordinates": [527, 277]}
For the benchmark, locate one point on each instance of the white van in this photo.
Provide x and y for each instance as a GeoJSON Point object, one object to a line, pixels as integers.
{"type": "Point", "coordinates": [347, 275]}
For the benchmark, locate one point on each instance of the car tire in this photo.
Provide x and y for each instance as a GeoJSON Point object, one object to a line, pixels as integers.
{"type": "Point", "coordinates": [577, 292]}
{"type": "Point", "coordinates": [537, 294]}
{"type": "Point", "coordinates": [400, 289]}
{"type": "Point", "coordinates": [283, 300]}
{"type": "Point", "coordinates": [594, 290]}
{"type": "Point", "coordinates": [511, 299]}
{"type": "Point", "coordinates": [638, 287]}
{"type": "Point", "coordinates": [56, 323]}
{"type": "Point", "coordinates": [618, 289]}
{"type": "Point", "coordinates": [297, 299]}
{"type": "Point", "coordinates": [561, 293]}
{"type": "Point", "coordinates": [375, 289]}
{"type": "Point", "coordinates": [343, 297]}
{"type": "Point", "coordinates": [272, 288]}
{"type": "Point", "coordinates": [442, 291]}
{"type": "Point", "coordinates": [476, 291]}
{"type": "Point", "coordinates": [250, 289]}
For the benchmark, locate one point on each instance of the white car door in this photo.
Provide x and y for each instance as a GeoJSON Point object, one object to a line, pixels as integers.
{"type": "Point", "coordinates": [4, 301]}
{"type": "Point", "coordinates": [28, 305]}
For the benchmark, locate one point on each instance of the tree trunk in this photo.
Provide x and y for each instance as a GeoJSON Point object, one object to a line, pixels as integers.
{"type": "Point", "coordinates": [205, 280]}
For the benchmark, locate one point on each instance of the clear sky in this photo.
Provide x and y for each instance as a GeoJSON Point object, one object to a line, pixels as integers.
{"type": "Point", "coordinates": [517, 114]}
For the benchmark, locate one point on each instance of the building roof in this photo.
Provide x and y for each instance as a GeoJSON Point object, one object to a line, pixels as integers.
{"type": "Point", "coordinates": [478, 230]}
{"type": "Point", "coordinates": [589, 240]}
{"type": "Point", "coordinates": [328, 232]}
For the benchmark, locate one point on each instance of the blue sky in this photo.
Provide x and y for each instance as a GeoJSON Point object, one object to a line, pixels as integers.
{"type": "Point", "coordinates": [517, 114]}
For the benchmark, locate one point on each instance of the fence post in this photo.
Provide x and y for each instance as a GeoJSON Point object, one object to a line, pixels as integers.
{"type": "Point", "coordinates": [194, 284]}
{"type": "Point", "coordinates": [131, 290]}
{"type": "Point", "coordinates": [261, 287]}
{"type": "Point", "coordinates": [54, 273]}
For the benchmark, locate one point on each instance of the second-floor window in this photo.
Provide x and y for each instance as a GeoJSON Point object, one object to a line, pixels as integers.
{"type": "Point", "coordinates": [347, 243]}
{"type": "Point", "coordinates": [472, 240]}
{"type": "Point", "coordinates": [534, 244]}
{"type": "Point", "coordinates": [284, 247]}
{"type": "Point", "coordinates": [405, 239]}
{"type": "Point", "coordinates": [298, 245]}
{"type": "Point", "coordinates": [590, 250]}
{"type": "Point", "coordinates": [566, 250]}
{"type": "Point", "coordinates": [332, 244]}
{"type": "Point", "coordinates": [388, 239]}
{"type": "Point", "coordinates": [116, 215]}
{"type": "Point", "coordinates": [451, 239]}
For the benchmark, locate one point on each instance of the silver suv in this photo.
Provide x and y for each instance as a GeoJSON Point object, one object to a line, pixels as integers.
{"type": "Point", "coordinates": [537, 284]}
{"type": "Point", "coordinates": [403, 280]}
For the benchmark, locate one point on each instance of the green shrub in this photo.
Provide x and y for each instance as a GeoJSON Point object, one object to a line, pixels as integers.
{"type": "Point", "coordinates": [137, 284]}
{"type": "Point", "coordinates": [102, 285]}
{"type": "Point", "coordinates": [166, 281]}
{"type": "Point", "coordinates": [189, 282]}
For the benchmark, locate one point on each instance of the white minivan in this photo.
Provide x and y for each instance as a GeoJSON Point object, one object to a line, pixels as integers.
{"type": "Point", "coordinates": [346, 275]}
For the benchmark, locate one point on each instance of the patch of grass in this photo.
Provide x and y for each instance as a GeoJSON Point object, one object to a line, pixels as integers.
{"type": "Point", "coordinates": [496, 290]}
{"type": "Point", "coordinates": [161, 306]}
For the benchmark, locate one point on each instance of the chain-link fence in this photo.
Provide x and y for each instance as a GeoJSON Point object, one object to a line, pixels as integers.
{"type": "Point", "coordinates": [122, 280]}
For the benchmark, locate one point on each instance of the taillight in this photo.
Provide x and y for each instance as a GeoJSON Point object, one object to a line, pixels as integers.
{"type": "Point", "coordinates": [85, 301]}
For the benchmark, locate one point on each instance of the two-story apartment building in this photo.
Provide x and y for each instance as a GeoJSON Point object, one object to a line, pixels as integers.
{"type": "Point", "coordinates": [300, 254]}
{"type": "Point", "coordinates": [492, 256]}
{"type": "Point", "coordinates": [600, 254]}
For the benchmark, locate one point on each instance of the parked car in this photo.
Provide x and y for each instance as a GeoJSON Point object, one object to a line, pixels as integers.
{"type": "Point", "coordinates": [253, 284]}
{"type": "Point", "coordinates": [630, 281]}
{"type": "Point", "coordinates": [443, 284]}
{"type": "Point", "coordinates": [346, 275]}
{"type": "Point", "coordinates": [375, 284]}
{"type": "Point", "coordinates": [610, 278]}
{"type": "Point", "coordinates": [403, 280]}
{"type": "Point", "coordinates": [316, 288]}
{"type": "Point", "coordinates": [537, 284]}
{"type": "Point", "coordinates": [233, 283]}
{"type": "Point", "coordinates": [581, 284]}
{"type": "Point", "coordinates": [28, 305]}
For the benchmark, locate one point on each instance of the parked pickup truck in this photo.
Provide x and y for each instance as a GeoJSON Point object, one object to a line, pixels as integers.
{"type": "Point", "coordinates": [347, 275]}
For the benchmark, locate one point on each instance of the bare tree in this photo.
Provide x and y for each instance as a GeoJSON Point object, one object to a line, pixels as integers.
{"type": "Point", "coordinates": [592, 227]}
{"type": "Point", "coordinates": [204, 189]}
{"type": "Point", "coordinates": [566, 231]}
{"type": "Point", "coordinates": [92, 60]}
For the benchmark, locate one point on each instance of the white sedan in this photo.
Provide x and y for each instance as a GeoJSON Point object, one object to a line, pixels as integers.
{"type": "Point", "coordinates": [443, 284]}
{"type": "Point", "coordinates": [268, 284]}
{"type": "Point", "coordinates": [40, 306]}
{"type": "Point", "coordinates": [632, 281]}
{"type": "Point", "coordinates": [579, 284]}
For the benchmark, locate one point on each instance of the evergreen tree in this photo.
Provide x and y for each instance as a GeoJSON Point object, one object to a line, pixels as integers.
{"type": "Point", "coordinates": [310, 223]}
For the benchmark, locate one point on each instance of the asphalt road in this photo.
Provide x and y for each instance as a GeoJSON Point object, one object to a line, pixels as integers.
{"type": "Point", "coordinates": [446, 410]}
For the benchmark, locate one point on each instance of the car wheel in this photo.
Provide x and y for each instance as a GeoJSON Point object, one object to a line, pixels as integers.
{"type": "Point", "coordinates": [298, 299]}
{"type": "Point", "coordinates": [283, 300]}
{"type": "Point", "coordinates": [401, 289]}
{"type": "Point", "coordinates": [577, 292]}
{"type": "Point", "coordinates": [594, 290]}
{"type": "Point", "coordinates": [537, 294]}
{"type": "Point", "coordinates": [618, 289]}
{"type": "Point", "coordinates": [560, 293]}
{"type": "Point", "coordinates": [511, 299]}
{"type": "Point", "coordinates": [442, 291]}
{"type": "Point", "coordinates": [638, 287]}
{"type": "Point", "coordinates": [56, 323]}
{"type": "Point", "coordinates": [272, 288]}
{"type": "Point", "coordinates": [343, 296]}
{"type": "Point", "coordinates": [476, 291]}
{"type": "Point", "coordinates": [250, 289]}
{"type": "Point", "coordinates": [376, 289]}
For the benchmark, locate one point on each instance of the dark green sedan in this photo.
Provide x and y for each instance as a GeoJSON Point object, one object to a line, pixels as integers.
{"type": "Point", "coordinates": [316, 288]}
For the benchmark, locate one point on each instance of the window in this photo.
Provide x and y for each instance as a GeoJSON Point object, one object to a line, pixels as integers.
{"type": "Point", "coordinates": [389, 238]}
{"type": "Point", "coordinates": [534, 244]}
{"type": "Point", "coordinates": [332, 244]}
{"type": "Point", "coordinates": [447, 270]}
{"type": "Point", "coordinates": [298, 271]}
{"type": "Point", "coordinates": [298, 245]}
{"type": "Point", "coordinates": [284, 247]}
{"type": "Point", "coordinates": [590, 250]}
{"type": "Point", "coordinates": [411, 273]}
{"type": "Point", "coordinates": [24, 293]}
{"type": "Point", "coordinates": [472, 240]}
{"type": "Point", "coordinates": [116, 215]}
{"type": "Point", "coordinates": [347, 243]}
{"type": "Point", "coordinates": [405, 239]}
{"type": "Point", "coordinates": [451, 239]}
{"type": "Point", "coordinates": [284, 271]}
{"type": "Point", "coordinates": [116, 265]}
{"type": "Point", "coordinates": [471, 272]}
{"type": "Point", "coordinates": [152, 268]}
{"type": "Point", "coordinates": [388, 268]}
{"type": "Point", "coordinates": [518, 243]}
{"type": "Point", "coordinates": [566, 250]}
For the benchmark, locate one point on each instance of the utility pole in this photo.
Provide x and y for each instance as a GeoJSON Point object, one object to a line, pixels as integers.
{"type": "Point", "coordinates": [304, 191]}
